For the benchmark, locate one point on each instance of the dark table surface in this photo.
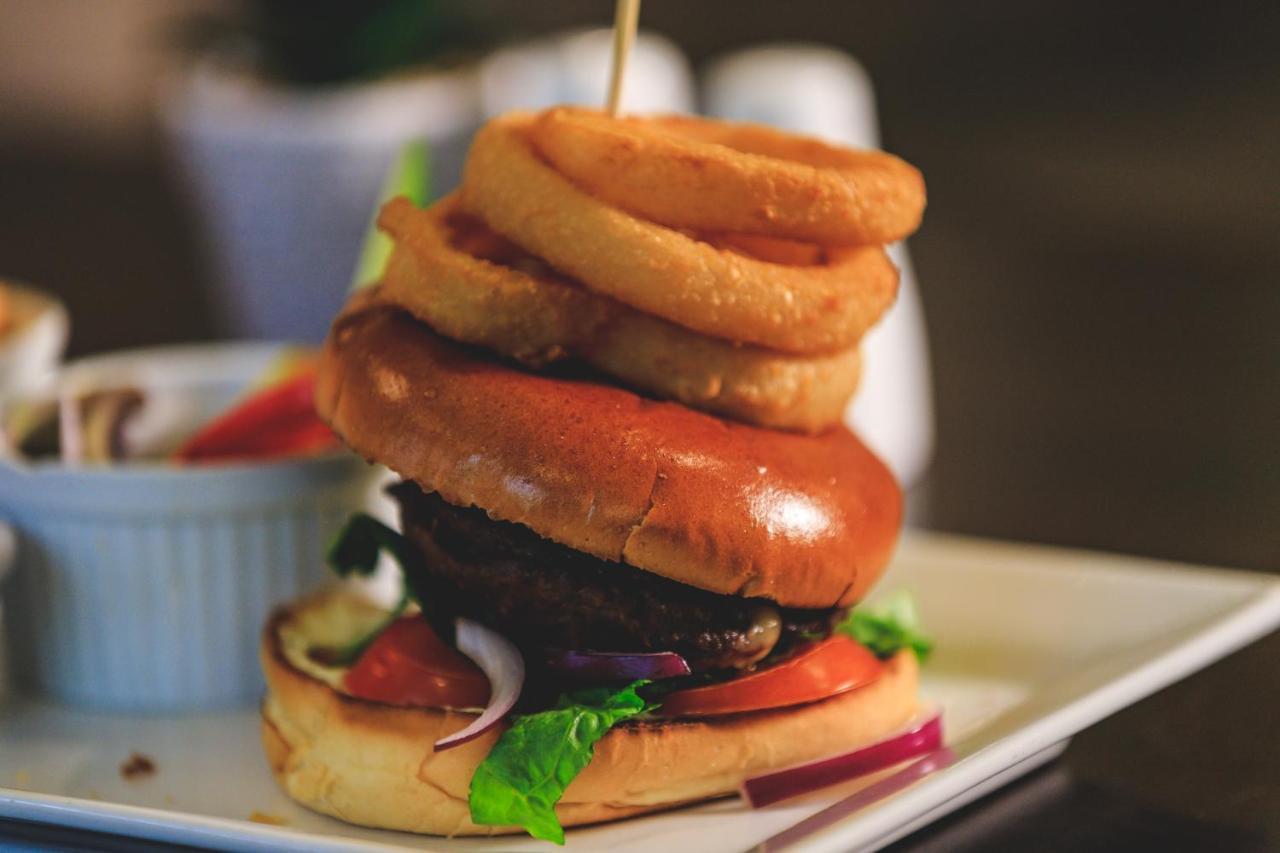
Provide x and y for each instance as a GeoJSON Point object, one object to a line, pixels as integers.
{"type": "Point", "coordinates": [1195, 767]}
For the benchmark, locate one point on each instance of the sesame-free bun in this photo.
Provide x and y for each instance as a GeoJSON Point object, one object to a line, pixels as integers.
{"type": "Point", "coordinates": [803, 520]}
{"type": "Point", "coordinates": [373, 764]}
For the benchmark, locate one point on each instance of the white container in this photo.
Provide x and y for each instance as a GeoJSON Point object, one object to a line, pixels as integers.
{"type": "Point", "coordinates": [285, 180]}
{"type": "Point", "coordinates": [573, 68]}
{"type": "Point", "coordinates": [143, 587]}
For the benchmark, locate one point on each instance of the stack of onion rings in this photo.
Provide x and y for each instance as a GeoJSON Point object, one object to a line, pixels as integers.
{"type": "Point", "coordinates": [718, 176]}
{"type": "Point", "coordinates": [467, 283]}
{"type": "Point", "coordinates": [729, 267]}
{"type": "Point", "coordinates": [665, 272]}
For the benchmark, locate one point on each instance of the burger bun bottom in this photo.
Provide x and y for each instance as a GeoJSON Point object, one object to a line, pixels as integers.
{"type": "Point", "coordinates": [373, 764]}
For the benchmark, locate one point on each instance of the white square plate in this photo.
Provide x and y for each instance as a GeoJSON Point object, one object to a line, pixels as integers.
{"type": "Point", "coordinates": [1033, 645]}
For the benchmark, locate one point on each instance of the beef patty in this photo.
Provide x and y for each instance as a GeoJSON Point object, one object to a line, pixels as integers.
{"type": "Point", "coordinates": [544, 595]}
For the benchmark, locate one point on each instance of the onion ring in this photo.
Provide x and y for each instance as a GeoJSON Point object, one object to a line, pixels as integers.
{"type": "Point", "coordinates": [451, 272]}
{"type": "Point", "coordinates": [709, 175]}
{"type": "Point", "coordinates": [661, 271]}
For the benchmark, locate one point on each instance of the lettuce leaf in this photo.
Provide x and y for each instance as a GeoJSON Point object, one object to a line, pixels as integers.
{"type": "Point", "coordinates": [354, 551]}
{"type": "Point", "coordinates": [534, 761]}
{"type": "Point", "coordinates": [888, 627]}
{"type": "Point", "coordinates": [409, 175]}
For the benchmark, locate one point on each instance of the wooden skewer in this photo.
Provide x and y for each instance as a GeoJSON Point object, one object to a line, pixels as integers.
{"type": "Point", "coordinates": [624, 34]}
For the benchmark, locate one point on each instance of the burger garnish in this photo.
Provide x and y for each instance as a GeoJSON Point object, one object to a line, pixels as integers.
{"type": "Point", "coordinates": [354, 553]}
{"type": "Point", "coordinates": [502, 666]}
{"type": "Point", "coordinates": [404, 661]}
{"type": "Point", "coordinates": [922, 736]}
{"type": "Point", "coordinates": [614, 667]}
{"type": "Point", "coordinates": [612, 603]}
{"type": "Point", "coordinates": [527, 771]}
{"type": "Point", "coordinates": [408, 664]}
{"type": "Point", "coordinates": [888, 627]}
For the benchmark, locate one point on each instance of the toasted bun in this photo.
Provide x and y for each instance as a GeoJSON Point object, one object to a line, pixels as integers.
{"type": "Point", "coordinates": [804, 520]}
{"type": "Point", "coordinates": [373, 764]}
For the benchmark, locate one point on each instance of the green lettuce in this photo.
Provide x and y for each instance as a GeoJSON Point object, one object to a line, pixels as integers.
{"type": "Point", "coordinates": [534, 761]}
{"type": "Point", "coordinates": [889, 627]}
{"type": "Point", "coordinates": [355, 548]}
{"type": "Point", "coordinates": [354, 552]}
{"type": "Point", "coordinates": [409, 175]}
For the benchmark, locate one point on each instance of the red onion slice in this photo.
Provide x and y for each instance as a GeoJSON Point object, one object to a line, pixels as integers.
{"type": "Point", "coordinates": [924, 734]}
{"type": "Point", "coordinates": [605, 667]}
{"type": "Point", "coordinates": [502, 664]}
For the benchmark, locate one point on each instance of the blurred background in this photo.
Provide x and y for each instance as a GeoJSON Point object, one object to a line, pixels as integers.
{"type": "Point", "coordinates": [1099, 265]}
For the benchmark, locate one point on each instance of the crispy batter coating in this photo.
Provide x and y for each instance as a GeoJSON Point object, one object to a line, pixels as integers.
{"type": "Point", "coordinates": [467, 283]}
{"type": "Point", "coordinates": [720, 292]}
{"type": "Point", "coordinates": [709, 175]}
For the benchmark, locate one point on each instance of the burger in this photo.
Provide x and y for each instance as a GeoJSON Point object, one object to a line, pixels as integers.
{"type": "Point", "coordinates": [623, 589]}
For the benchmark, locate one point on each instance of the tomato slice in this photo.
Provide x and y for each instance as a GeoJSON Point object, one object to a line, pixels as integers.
{"type": "Point", "coordinates": [278, 421]}
{"type": "Point", "coordinates": [409, 665]}
{"type": "Point", "coordinates": [831, 666]}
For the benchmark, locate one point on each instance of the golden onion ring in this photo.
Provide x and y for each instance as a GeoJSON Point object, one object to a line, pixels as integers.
{"type": "Point", "coordinates": [661, 271]}
{"type": "Point", "coordinates": [709, 175]}
{"type": "Point", "coordinates": [451, 272]}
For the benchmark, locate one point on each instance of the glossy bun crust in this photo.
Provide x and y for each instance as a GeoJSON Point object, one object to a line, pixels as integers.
{"type": "Point", "coordinates": [804, 520]}
{"type": "Point", "coordinates": [372, 764]}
